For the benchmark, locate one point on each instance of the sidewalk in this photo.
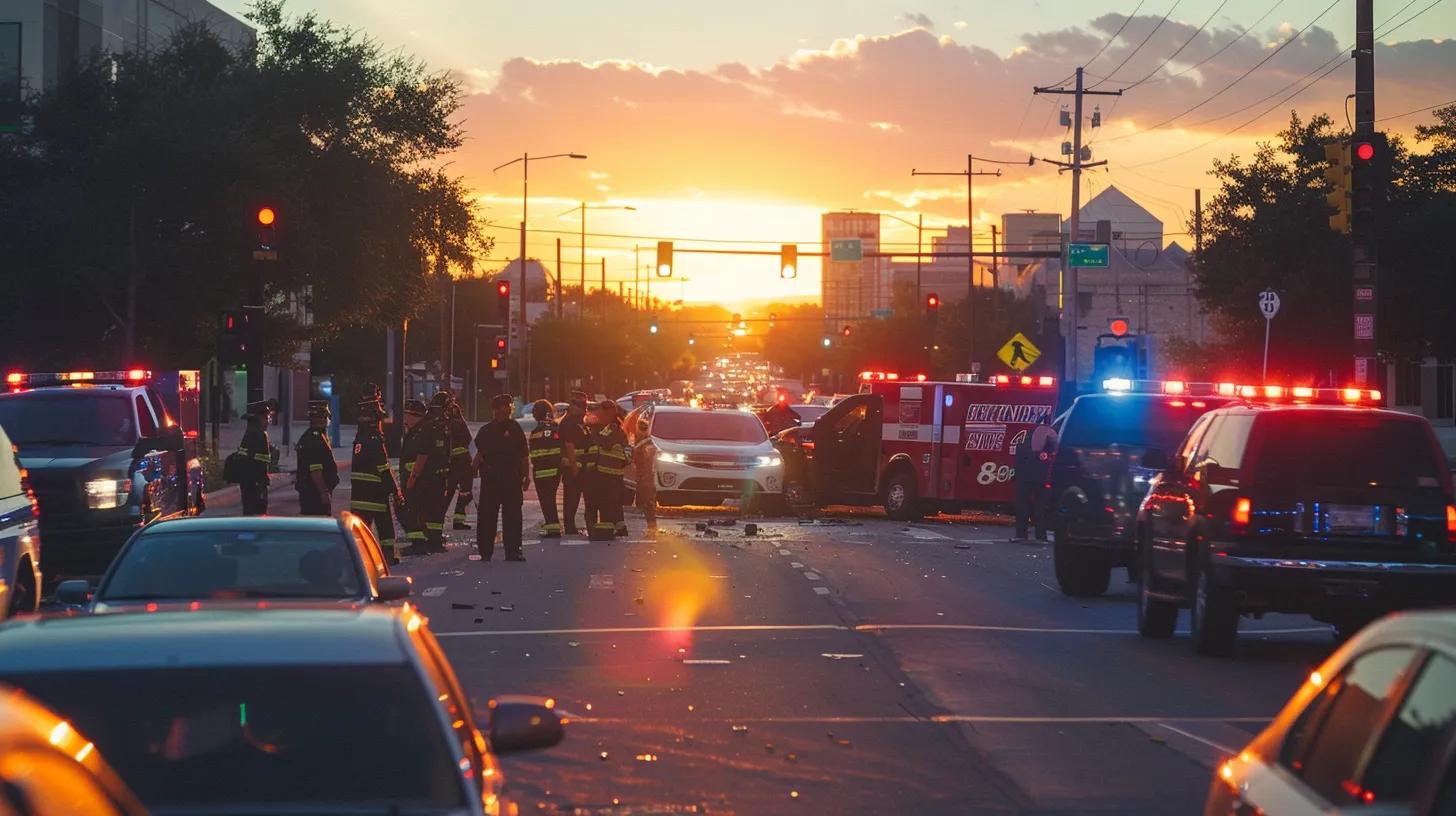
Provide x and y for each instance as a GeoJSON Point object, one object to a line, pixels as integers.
{"type": "Point", "coordinates": [230, 436]}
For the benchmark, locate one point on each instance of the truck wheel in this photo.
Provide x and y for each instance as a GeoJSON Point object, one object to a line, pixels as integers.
{"type": "Point", "coordinates": [1156, 618]}
{"type": "Point", "coordinates": [1214, 618]}
{"type": "Point", "coordinates": [902, 502]}
{"type": "Point", "coordinates": [1081, 573]}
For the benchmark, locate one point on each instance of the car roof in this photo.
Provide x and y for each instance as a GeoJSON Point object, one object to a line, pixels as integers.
{"type": "Point", "coordinates": [1269, 408]}
{"type": "Point", "coordinates": [236, 636]}
{"type": "Point", "coordinates": [236, 524]}
{"type": "Point", "coordinates": [72, 389]}
{"type": "Point", "coordinates": [1433, 628]}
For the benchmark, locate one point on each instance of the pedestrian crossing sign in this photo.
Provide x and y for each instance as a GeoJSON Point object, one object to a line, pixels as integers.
{"type": "Point", "coordinates": [1019, 352]}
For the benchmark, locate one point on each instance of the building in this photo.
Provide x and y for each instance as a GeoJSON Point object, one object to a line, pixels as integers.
{"type": "Point", "coordinates": [947, 277]}
{"type": "Point", "coordinates": [1030, 231]}
{"type": "Point", "coordinates": [854, 290]}
{"type": "Point", "coordinates": [41, 39]}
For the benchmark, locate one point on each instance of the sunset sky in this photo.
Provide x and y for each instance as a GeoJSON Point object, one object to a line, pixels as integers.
{"type": "Point", "coordinates": [746, 120]}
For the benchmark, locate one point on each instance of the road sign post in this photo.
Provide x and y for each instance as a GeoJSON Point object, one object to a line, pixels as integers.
{"type": "Point", "coordinates": [846, 249]}
{"type": "Point", "coordinates": [1268, 306]}
{"type": "Point", "coordinates": [1089, 256]}
{"type": "Point", "coordinates": [1019, 352]}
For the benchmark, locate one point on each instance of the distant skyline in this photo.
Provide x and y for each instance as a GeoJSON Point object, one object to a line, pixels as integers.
{"type": "Point", "coordinates": [746, 121]}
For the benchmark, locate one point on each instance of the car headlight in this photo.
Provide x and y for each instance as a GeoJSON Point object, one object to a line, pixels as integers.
{"type": "Point", "coordinates": [671, 458]}
{"type": "Point", "coordinates": [773, 460]}
{"type": "Point", "coordinates": [105, 494]}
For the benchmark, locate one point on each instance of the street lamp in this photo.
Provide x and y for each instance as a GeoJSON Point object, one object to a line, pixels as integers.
{"type": "Point", "coordinates": [919, 225]}
{"type": "Point", "coordinates": [583, 206]}
{"type": "Point", "coordinates": [525, 161]}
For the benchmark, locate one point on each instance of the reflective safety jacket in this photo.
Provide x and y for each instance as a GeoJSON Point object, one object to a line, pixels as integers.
{"type": "Point", "coordinates": [257, 451]}
{"type": "Point", "coordinates": [371, 479]}
{"type": "Point", "coordinates": [609, 451]}
{"type": "Point", "coordinates": [315, 455]}
{"type": "Point", "coordinates": [545, 442]}
{"type": "Point", "coordinates": [460, 470]}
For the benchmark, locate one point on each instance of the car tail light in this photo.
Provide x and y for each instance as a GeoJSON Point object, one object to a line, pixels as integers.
{"type": "Point", "coordinates": [1243, 511]}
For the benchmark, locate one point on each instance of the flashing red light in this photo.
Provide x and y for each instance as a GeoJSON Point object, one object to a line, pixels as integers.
{"type": "Point", "coordinates": [14, 378]}
{"type": "Point", "coordinates": [1248, 391]}
{"type": "Point", "coordinates": [1225, 389]}
{"type": "Point", "coordinates": [1199, 404]}
{"type": "Point", "coordinates": [503, 288]}
{"type": "Point", "coordinates": [921, 378]}
{"type": "Point", "coordinates": [1374, 395]}
{"type": "Point", "coordinates": [1364, 151]}
{"type": "Point", "coordinates": [1175, 387]}
{"type": "Point", "coordinates": [1302, 392]}
{"type": "Point", "coordinates": [1451, 523]}
{"type": "Point", "coordinates": [1350, 394]}
{"type": "Point", "coordinates": [1002, 379]}
{"type": "Point", "coordinates": [1025, 380]}
{"type": "Point", "coordinates": [892, 376]}
{"type": "Point", "coordinates": [1177, 403]}
{"type": "Point", "coordinates": [1046, 382]}
{"type": "Point", "coordinates": [266, 216]}
{"type": "Point", "coordinates": [1118, 326]}
{"type": "Point", "coordinates": [1243, 511]}
{"type": "Point", "coordinates": [783, 397]}
{"type": "Point", "coordinates": [137, 374]}
{"type": "Point", "coordinates": [1274, 391]}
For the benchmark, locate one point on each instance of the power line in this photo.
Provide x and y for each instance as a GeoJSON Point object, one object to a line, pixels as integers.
{"type": "Point", "coordinates": [1417, 110]}
{"type": "Point", "coordinates": [1139, 47]}
{"type": "Point", "coordinates": [1409, 19]}
{"type": "Point", "coordinates": [1185, 44]}
{"type": "Point", "coordinates": [1114, 36]}
{"type": "Point", "coordinates": [1236, 81]}
{"type": "Point", "coordinates": [1225, 46]}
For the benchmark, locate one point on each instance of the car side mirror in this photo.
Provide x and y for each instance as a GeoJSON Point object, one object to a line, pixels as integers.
{"type": "Point", "coordinates": [1155, 459]}
{"type": "Point", "coordinates": [75, 592]}
{"type": "Point", "coordinates": [524, 723]}
{"type": "Point", "coordinates": [395, 587]}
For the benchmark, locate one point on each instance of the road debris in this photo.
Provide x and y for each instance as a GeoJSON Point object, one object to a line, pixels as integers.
{"type": "Point", "coordinates": [840, 656]}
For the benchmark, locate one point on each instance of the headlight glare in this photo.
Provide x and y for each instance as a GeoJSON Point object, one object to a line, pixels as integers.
{"type": "Point", "coordinates": [773, 460]}
{"type": "Point", "coordinates": [106, 494]}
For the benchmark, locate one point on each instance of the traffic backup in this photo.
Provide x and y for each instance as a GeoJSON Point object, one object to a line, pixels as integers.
{"type": "Point", "coordinates": [106, 452]}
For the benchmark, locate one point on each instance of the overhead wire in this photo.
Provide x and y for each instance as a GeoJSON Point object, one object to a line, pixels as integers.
{"type": "Point", "coordinates": [1226, 46]}
{"type": "Point", "coordinates": [1417, 110]}
{"type": "Point", "coordinates": [1180, 48]}
{"type": "Point", "coordinates": [1110, 40]}
{"type": "Point", "coordinates": [1134, 52]}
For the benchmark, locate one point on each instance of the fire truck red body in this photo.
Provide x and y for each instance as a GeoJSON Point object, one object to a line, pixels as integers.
{"type": "Point", "coordinates": [917, 447]}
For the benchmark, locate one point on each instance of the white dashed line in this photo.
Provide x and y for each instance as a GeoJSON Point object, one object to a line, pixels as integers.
{"type": "Point", "coordinates": [602, 580]}
{"type": "Point", "coordinates": [819, 590]}
{"type": "Point", "coordinates": [812, 576]}
{"type": "Point", "coordinates": [432, 592]}
{"type": "Point", "coordinates": [784, 552]}
{"type": "Point", "coordinates": [796, 565]}
{"type": "Point", "coordinates": [707, 662]}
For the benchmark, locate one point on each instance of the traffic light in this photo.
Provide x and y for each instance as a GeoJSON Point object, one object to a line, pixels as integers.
{"type": "Point", "coordinates": [847, 331]}
{"type": "Point", "coordinates": [1337, 174]}
{"type": "Point", "coordinates": [232, 345]}
{"type": "Point", "coordinates": [502, 346]}
{"type": "Point", "coordinates": [692, 339]}
{"type": "Point", "coordinates": [772, 318]}
{"type": "Point", "coordinates": [827, 341]}
{"type": "Point", "coordinates": [789, 261]}
{"type": "Point", "coordinates": [932, 304]}
{"type": "Point", "coordinates": [1118, 326]}
{"type": "Point", "coordinates": [503, 298]}
{"type": "Point", "coordinates": [1370, 168]}
{"type": "Point", "coordinates": [652, 326]}
{"type": "Point", "coordinates": [265, 233]}
{"type": "Point", "coordinates": [664, 259]}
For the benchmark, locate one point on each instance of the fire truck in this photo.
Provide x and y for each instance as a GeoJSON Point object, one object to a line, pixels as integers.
{"type": "Point", "coordinates": [916, 446]}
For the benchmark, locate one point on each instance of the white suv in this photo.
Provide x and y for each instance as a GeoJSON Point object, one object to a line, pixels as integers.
{"type": "Point", "coordinates": [706, 456]}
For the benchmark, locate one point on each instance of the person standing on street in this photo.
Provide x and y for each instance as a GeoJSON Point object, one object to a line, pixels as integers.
{"type": "Point", "coordinates": [371, 477]}
{"type": "Point", "coordinates": [255, 449]}
{"type": "Point", "coordinates": [317, 473]}
{"type": "Point", "coordinates": [412, 451]}
{"type": "Point", "coordinates": [1033, 466]}
{"type": "Point", "coordinates": [546, 465]}
{"type": "Point", "coordinates": [609, 452]}
{"type": "Point", "coordinates": [430, 476]}
{"type": "Point", "coordinates": [574, 443]}
{"type": "Point", "coordinates": [503, 460]}
{"type": "Point", "coordinates": [462, 476]}
{"type": "Point", "coordinates": [644, 466]}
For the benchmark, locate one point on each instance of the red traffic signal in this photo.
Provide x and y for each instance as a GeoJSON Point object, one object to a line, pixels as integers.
{"type": "Point", "coordinates": [500, 344]}
{"type": "Point", "coordinates": [1118, 326]}
{"type": "Point", "coordinates": [503, 288]}
{"type": "Point", "coordinates": [847, 331]}
{"type": "Point", "coordinates": [932, 301]}
{"type": "Point", "coordinates": [267, 216]}
{"type": "Point", "coordinates": [1364, 151]}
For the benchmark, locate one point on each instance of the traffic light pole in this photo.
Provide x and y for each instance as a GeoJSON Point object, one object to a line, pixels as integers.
{"type": "Point", "coordinates": [1362, 218]}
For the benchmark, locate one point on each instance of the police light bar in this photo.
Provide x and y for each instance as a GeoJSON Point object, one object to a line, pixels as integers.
{"type": "Point", "coordinates": [1299, 394]}
{"type": "Point", "coordinates": [131, 376]}
{"type": "Point", "coordinates": [1024, 380]}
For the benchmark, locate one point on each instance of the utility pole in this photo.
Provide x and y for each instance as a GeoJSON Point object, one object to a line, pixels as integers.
{"type": "Point", "coordinates": [560, 281]}
{"type": "Point", "coordinates": [1362, 219]}
{"type": "Point", "coordinates": [604, 283]}
{"type": "Point", "coordinates": [970, 173]}
{"type": "Point", "coordinates": [1076, 165]}
{"type": "Point", "coordinates": [636, 274]}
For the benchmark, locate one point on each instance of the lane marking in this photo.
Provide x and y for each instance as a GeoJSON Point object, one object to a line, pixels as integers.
{"type": "Point", "coordinates": [820, 590]}
{"type": "Point", "coordinates": [432, 592]}
{"type": "Point", "coordinates": [924, 535]}
{"type": "Point", "coordinates": [1050, 630]}
{"type": "Point", "coordinates": [823, 627]}
{"type": "Point", "coordinates": [1210, 743]}
{"type": "Point", "coordinates": [784, 552]}
{"type": "Point", "coordinates": [602, 580]}
{"type": "Point", "coordinates": [704, 661]}
{"type": "Point", "coordinates": [942, 719]}
{"type": "Point", "coordinates": [811, 575]}
{"type": "Point", "coordinates": [796, 565]}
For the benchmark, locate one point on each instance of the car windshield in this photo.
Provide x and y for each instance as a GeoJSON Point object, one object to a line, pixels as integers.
{"type": "Point", "coordinates": [809, 414]}
{"type": "Point", "coordinates": [1344, 449]}
{"type": "Point", "coordinates": [263, 736]}
{"type": "Point", "coordinates": [1132, 421]}
{"type": "Point", "coordinates": [69, 417]}
{"type": "Point", "coordinates": [230, 563]}
{"type": "Point", "coordinates": [708, 426]}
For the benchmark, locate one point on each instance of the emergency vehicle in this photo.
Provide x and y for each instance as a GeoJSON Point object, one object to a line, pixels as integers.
{"type": "Point", "coordinates": [917, 446]}
{"type": "Point", "coordinates": [106, 452]}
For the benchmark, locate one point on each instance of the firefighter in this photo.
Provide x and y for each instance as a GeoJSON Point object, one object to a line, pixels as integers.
{"type": "Point", "coordinates": [1033, 467]}
{"type": "Point", "coordinates": [609, 457]}
{"type": "Point", "coordinates": [317, 473]}
{"type": "Point", "coordinates": [256, 455]}
{"type": "Point", "coordinates": [431, 474]}
{"type": "Point", "coordinates": [372, 478]}
{"type": "Point", "coordinates": [411, 450]}
{"type": "Point", "coordinates": [462, 476]}
{"type": "Point", "coordinates": [546, 465]}
{"type": "Point", "coordinates": [502, 457]}
{"type": "Point", "coordinates": [574, 443]}
{"type": "Point", "coordinates": [644, 466]}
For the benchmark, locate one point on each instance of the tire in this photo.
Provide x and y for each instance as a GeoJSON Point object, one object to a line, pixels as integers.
{"type": "Point", "coordinates": [902, 500]}
{"type": "Point", "coordinates": [25, 600]}
{"type": "Point", "coordinates": [1156, 617]}
{"type": "Point", "coordinates": [1214, 617]}
{"type": "Point", "coordinates": [1081, 573]}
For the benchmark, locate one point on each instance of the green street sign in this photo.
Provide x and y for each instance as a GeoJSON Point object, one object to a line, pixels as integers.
{"type": "Point", "coordinates": [882, 314]}
{"type": "Point", "coordinates": [846, 249]}
{"type": "Point", "coordinates": [1095, 256]}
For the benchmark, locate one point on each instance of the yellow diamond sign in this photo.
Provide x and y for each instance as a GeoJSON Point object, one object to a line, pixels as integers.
{"type": "Point", "coordinates": [1019, 352]}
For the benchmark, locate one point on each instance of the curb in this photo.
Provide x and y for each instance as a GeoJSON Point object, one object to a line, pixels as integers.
{"type": "Point", "coordinates": [229, 496]}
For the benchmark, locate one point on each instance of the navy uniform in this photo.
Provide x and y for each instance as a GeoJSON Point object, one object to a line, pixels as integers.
{"type": "Point", "coordinates": [431, 484]}
{"type": "Point", "coordinates": [411, 447]}
{"type": "Point", "coordinates": [462, 476]}
{"type": "Point", "coordinates": [609, 458]}
{"type": "Point", "coordinates": [257, 455]}
{"type": "Point", "coordinates": [1033, 466]}
{"type": "Point", "coordinates": [372, 479]}
{"type": "Point", "coordinates": [575, 441]}
{"type": "Point", "coordinates": [501, 456]}
{"type": "Point", "coordinates": [316, 456]}
{"type": "Point", "coordinates": [546, 465]}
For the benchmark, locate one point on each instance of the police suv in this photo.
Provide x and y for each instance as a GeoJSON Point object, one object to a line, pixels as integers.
{"type": "Point", "coordinates": [105, 455]}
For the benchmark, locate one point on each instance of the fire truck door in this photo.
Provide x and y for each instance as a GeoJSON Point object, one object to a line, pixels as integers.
{"type": "Point", "coordinates": [847, 444]}
{"type": "Point", "coordinates": [953, 408]}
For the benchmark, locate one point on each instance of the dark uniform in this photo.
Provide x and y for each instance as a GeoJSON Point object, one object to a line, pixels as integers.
{"type": "Point", "coordinates": [372, 479]}
{"type": "Point", "coordinates": [257, 455]}
{"type": "Point", "coordinates": [315, 455]}
{"type": "Point", "coordinates": [1033, 466]}
{"type": "Point", "coordinates": [546, 466]}
{"type": "Point", "coordinates": [462, 477]}
{"type": "Point", "coordinates": [431, 491]}
{"type": "Point", "coordinates": [574, 431]}
{"type": "Point", "coordinates": [609, 457]}
{"type": "Point", "coordinates": [501, 446]}
{"type": "Point", "coordinates": [411, 445]}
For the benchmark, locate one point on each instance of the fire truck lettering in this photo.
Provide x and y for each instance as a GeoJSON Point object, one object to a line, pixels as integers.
{"type": "Point", "coordinates": [1013, 414]}
{"type": "Point", "coordinates": [985, 436]}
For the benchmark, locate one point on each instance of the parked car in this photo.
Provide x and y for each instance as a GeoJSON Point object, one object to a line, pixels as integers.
{"type": "Point", "coordinates": [20, 564]}
{"type": "Point", "coordinates": [329, 560]}
{"type": "Point", "coordinates": [48, 767]}
{"type": "Point", "coordinates": [1372, 731]}
{"type": "Point", "coordinates": [705, 456]}
{"type": "Point", "coordinates": [276, 710]}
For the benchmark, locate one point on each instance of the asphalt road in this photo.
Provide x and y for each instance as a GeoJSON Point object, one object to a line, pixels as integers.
{"type": "Point", "coordinates": [852, 665]}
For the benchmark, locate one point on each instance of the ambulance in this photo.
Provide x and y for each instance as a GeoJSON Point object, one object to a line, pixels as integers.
{"type": "Point", "coordinates": [916, 446]}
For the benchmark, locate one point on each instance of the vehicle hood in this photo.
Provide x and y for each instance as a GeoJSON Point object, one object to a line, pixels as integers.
{"type": "Point", "coordinates": [737, 448]}
{"type": "Point", "coordinates": [175, 605]}
{"type": "Point", "coordinates": [73, 457]}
